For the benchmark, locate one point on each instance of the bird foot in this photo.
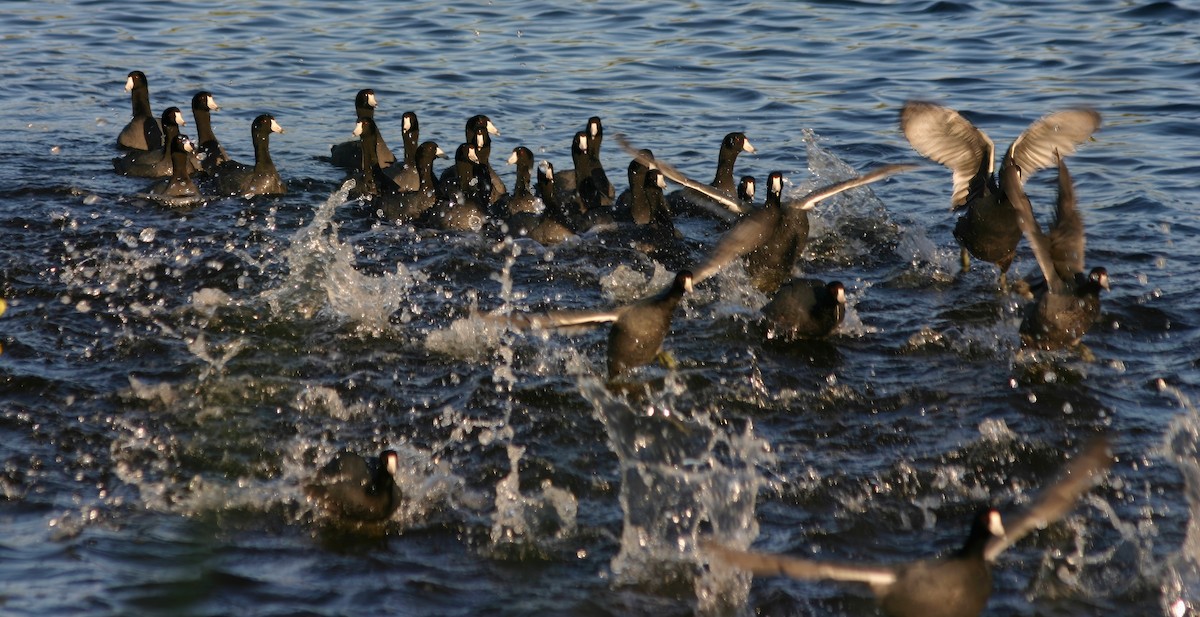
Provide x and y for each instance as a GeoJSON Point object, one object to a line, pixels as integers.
{"type": "Point", "coordinates": [667, 360]}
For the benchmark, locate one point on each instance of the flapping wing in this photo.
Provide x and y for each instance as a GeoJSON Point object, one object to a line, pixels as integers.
{"type": "Point", "coordinates": [764, 564]}
{"type": "Point", "coordinates": [810, 200]}
{"type": "Point", "coordinates": [1067, 242]}
{"type": "Point", "coordinates": [1060, 132]}
{"type": "Point", "coordinates": [746, 235]}
{"type": "Point", "coordinates": [1056, 499]}
{"type": "Point", "coordinates": [563, 319]}
{"type": "Point", "coordinates": [1012, 184]}
{"type": "Point", "coordinates": [674, 175]}
{"type": "Point", "coordinates": [940, 134]}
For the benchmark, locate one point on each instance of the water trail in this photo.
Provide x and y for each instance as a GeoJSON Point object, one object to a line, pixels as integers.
{"type": "Point", "coordinates": [683, 477]}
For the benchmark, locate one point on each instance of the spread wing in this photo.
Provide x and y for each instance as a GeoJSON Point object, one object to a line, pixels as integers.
{"type": "Point", "coordinates": [1067, 242]}
{"type": "Point", "coordinates": [563, 319]}
{"type": "Point", "coordinates": [1057, 499]}
{"type": "Point", "coordinates": [746, 235]}
{"type": "Point", "coordinates": [764, 564]}
{"type": "Point", "coordinates": [1011, 181]}
{"type": "Point", "coordinates": [676, 176]}
{"type": "Point", "coordinates": [941, 135]}
{"type": "Point", "coordinates": [1053, 136]}
{"type": "Point", "coordinates": [810, 200]}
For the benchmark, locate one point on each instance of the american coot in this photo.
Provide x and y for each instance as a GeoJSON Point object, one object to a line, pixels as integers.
{"type": "Point", "coordinates": [143, 131]}
{"type": "Point", "coordinates": [520, 209]}
{"type": "Point", "coordinates": [155, 163]}
{"type": "Point", "coordinates": [556, 224]}
{"type": "Point", "coordinates": [987, 228]}
{"type": "Point", "coordinates": [747, 186]}
{"type": "Point", "coordinates": [365, 177]}
{"type": "Point", "coordinates": [347, 154]}
{"type": "Point", "coordinates": [642, 162]}
{"type": "Point", "coordinates": [638, 329]}
{"type": "Point", "coordinates": [476, 125]}
{"type": "Point", "coordinates": [466, 207]}
{"type": "Point", "coordinates": [232, 178]}
{"type": "Point", "coordinates": [595, 137]}
{"type": "Point", "coordinates": [805, 308]}
{"type": "Point", "coordinates": [208, 149]}
{"type": "Point", "coordinates": [355, 488]}
{"type": "Point", "coordinates": [1070, 303]}
{"type": "Point", "coordinates": [697, 198]}
{"type": "Point", "coordinates": [591, 202]}
{"type": "Point", "coordinates": [409, 206]}
{"type": "Point", "coordinates": [405, 172]}
{"type": "Point", "coordinates": [178, 190]}
{"type": "Point", "coordinates": [956, 585]}
{"type": "Point", "coordinates": [773, 236]}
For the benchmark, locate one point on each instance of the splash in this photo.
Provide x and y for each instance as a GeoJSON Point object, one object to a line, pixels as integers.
{"type": "Point", "coordinates": [683, 477]}
{"type": "Point", "coordinates": [1180, 589]}
{"type": "Point", "coordinates": [530, 523]}
{"type": "Point", "coordinates": [322, 277]}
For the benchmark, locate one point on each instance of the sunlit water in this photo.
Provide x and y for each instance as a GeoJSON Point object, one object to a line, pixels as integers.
{"type": "Point", "coordinates": [171, 380]}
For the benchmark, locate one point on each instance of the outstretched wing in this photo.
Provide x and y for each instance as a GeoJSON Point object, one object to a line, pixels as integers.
{"type": "Point", "coordinates": [764, 564]}
{"type": "Point", "coordinates": [676, 176]}
{"type": "Point", "coordinates": [942, 135]}
{"type": "Point", "coordinates": [1058, 498]}
{"type": "Point", "coordinates": [1052, 136]}
{"type": "Point", "coordinates": [1038, 242]}
{"type": "Point", "coordinates": [810, 200]}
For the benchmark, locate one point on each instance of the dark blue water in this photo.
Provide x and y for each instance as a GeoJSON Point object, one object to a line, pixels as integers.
{"type": "Point", "coordinates": [170, 380]}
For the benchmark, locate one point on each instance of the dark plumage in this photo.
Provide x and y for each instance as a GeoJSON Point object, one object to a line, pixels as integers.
{"type": "Point", "coordinates": [155, 163]}
{"type": "Point", "coordinates": [692, 198]}
{"type": "Point", "coordinates": [465, 208]}
{"type": "Point", "coordinates": [408, 206]}
{"type": "Point", "coordinates": [354, 488]}
{"type": "Point", "coordinates": [638, 329]}
{"type": "Point", "coordinates": [987, 228]}
{"type": "Point", "coordinates": [773, 236]}
{"type": "Point", "coordinates": [555, 224]}
{"type": "Point", "coordinates": [595, 138]}
{"type": "Point", "coordinates": [143, 131]}
{"type": "Point", "coordinates": [805, 308]}
{"type": "Point", "coordinates": [587, 195]}
{"type": "Point", "coordinates": [347, 154]}
{"type": "Point", "coordinates": [956, 585]}
{"type": "Point", "coordinates": [232, 178]}
{"type": "Point", "coordinates": [178, 190]}
{"type": "Point", "coordinates": [476, 126]}
{"type": "Point", "coordinates": [747, 186]}
{"type": "Point", "coordinates": [208, 149]}
{"type": "Point", "coordinates": [405, 174]}
{"type": "Point", "coordinates": [520, 209]}
{"type": "Point", "coordinates": [1070, 302]}
{"type": "Point", "coordinates": [636, 174]}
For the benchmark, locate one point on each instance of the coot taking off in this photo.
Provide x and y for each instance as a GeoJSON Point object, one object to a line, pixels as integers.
{"type": "Point", "coordinates": [956, 585]}
{"type": "Point", "coordinates": [638, 329]}
{"type": "Point", "coordinates": [1070, 303]}
{"type": "Point", "coordinates": [987, 228]}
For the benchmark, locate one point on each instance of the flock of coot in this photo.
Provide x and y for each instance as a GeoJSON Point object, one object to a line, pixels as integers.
{"type": "Point", "coordinates": [470, 196]}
